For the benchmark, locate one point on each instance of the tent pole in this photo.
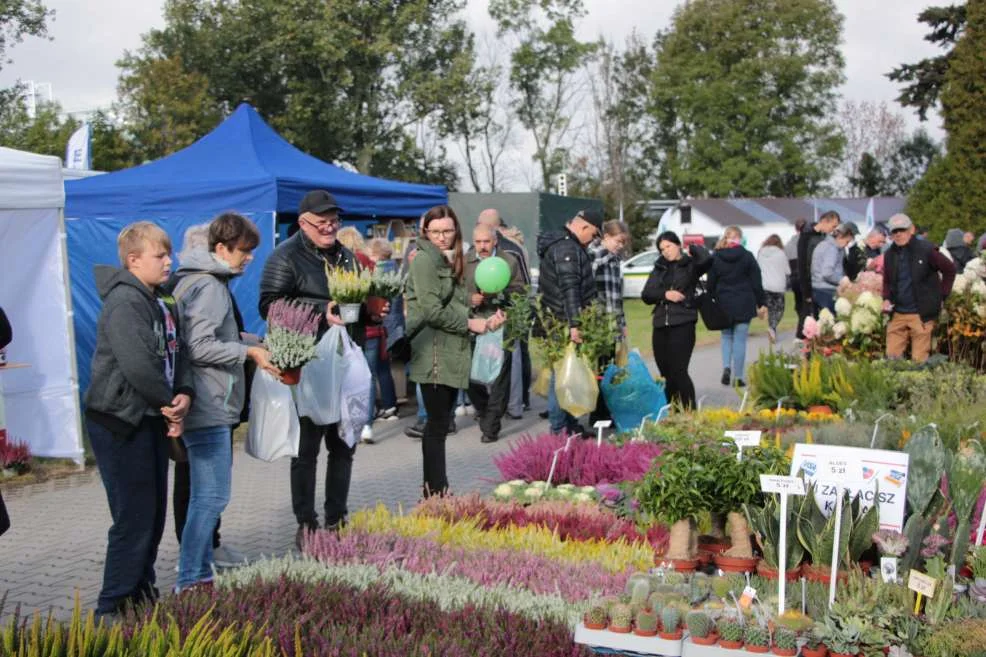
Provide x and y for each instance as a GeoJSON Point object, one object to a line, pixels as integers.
{"type": "Point", "coordinates": [80, 460]}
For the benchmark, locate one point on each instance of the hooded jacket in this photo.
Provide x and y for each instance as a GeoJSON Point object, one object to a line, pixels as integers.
{"type": "Point", "coordinates": [774, 268]}
{"type": "Point", "coordinates": [212, 339]}
{"type": "Point", "coordinates": [680, 275]}
{"type": "Point", "coordinates": [565, 283]}
{"type": "Point", "coordinates": [957, 249]}
{"type": "Point", "coordinates": [128, 380]}
{"type": "Point", "coordinates": [735, 280]}
{"type": "Point", "coordinates": [808, 240]}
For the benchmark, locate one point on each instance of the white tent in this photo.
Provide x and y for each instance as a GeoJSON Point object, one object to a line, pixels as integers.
{"type": "Point", "coordinates": [41, 399]}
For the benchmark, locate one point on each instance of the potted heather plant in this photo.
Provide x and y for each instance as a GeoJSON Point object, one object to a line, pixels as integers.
{"type": "Point", "coordinates": [384, 285]}
{"type": "Point", "coordinates": [701, 628]}
{"type": "Point", "coordinates": [349, 289]}
{"type": "Point", "coordinates": [292, 327]}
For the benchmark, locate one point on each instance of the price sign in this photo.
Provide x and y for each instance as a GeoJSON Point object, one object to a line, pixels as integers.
{"type": "Point", "coordinates": [888, 569]}
{"type": "Point", "coordinates": [876, 474]}
{"type": "Point", "coordinates": [921, 583]}
{"type": "Point", "coordinates": [781, 484]}
{"type": "Point", "coordinates": [745, 438]}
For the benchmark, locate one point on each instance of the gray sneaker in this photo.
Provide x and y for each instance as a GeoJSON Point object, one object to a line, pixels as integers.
{"type": "Point", "coordinates": [227, 557]}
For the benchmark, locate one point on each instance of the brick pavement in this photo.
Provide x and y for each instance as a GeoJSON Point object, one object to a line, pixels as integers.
{"type": "Point", "coordinates": [58, 538]}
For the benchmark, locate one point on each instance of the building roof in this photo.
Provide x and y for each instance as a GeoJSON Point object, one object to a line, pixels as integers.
{"type": "Point", "coordinates": [760, 211]}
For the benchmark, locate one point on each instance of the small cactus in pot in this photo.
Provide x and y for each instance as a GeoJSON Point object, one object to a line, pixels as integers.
{"type": "Point", "coordinates": [620, 618]}
{"type": "Point", "coordinates": [785, 642]}
{"type": "Point", "coordinates": [597, 616]}
{"type": "Point", "coordinates": [756, 638]}
{"type": "Point", "coordinates": [701, 628]}
{"type": "Point", "coordinates": [671, 623]}
{"type": "Point", "coordinates": [646, 623]}
{"type": "Point", "coordinates": [730, 632]}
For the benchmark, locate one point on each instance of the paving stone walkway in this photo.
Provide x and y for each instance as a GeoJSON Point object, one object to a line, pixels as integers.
{"type": "Point", "coordinates": [56, 545]}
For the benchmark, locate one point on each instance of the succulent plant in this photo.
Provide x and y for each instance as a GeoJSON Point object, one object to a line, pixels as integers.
{"type": "Point", "coordinates": [699, 624]}
{"type": "Point", "coordinates": [794, 621]}
{"type": "Point", "coordinates": [671, 619]}
{"type": "Point", "coordinates": [812, 641]}
{"type": "Point", "coordinates": [646, 621]}
{"type": "Point", "coordinates": [721, 586]}
{"type": "Point", "coordinates": [608, 601]}
{"type": "Point", "coordinates": [620, 616]}
{"type": "Point", "coordinates": [730, 629]}
{"type": "Point", "coordinates": [785, 639]}
{"type": "Point", "coordinates": [699, 589]}
{"type": "Point", "coordinates": [634, 579]}
{"type": "Point", "coordinates": [597, 614]}
{"type": "Point", "coordinates": [674, 577]}
{"type": "Point", "coordinates": [713, 608]}
{"type": "Point", "coordinates": [755, 635]}
{"type": "Point", "coordinates": [640, 591]}
{"type": "Point", "coordinates": [665, 589]}
{"type": "Point", "coordinates": [656, 602]}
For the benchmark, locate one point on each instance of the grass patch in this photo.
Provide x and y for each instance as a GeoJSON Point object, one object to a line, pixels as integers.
{"type": "Point", "coordinates": [639, 325]}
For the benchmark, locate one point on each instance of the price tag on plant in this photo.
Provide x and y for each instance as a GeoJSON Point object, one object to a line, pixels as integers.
{"type": "Point", "coordinates": [782, 484]}
{"type": "Point", "coordinates": [749, 595]}
{"type": "Point", "coordinates": [745, 438]}
{"type": "Point", "coordinates": [921, 583]}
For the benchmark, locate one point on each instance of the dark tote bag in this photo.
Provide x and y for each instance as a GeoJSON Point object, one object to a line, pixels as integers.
{"type": "Point", "coordinates": [713, 316]}
{"type": "Point", "coordinates": [4, 518]}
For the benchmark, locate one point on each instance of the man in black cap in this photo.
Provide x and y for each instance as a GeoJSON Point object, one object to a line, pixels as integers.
{"type": "Point", "coordinates": [297, 269]}
{"type": "Point", "coordinates": [566, 286]}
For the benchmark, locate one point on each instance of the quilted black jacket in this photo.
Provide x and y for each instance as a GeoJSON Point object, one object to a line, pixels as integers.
{"type": "Point", "coordinates": [565, 282]}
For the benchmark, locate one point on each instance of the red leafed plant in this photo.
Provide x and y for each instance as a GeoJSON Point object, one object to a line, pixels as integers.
{"type": "Point", "coordinates": [14, 456]}
{"type": "Point", "coordinates": [583, 464]}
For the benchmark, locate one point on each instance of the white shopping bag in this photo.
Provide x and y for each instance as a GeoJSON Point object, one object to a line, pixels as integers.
{"type": "Point", "coordinates": [274, 430]}
{"type": "Point", "coordinates": [319, 391]}
{"type": "Point", "coordinates": [355, 397]}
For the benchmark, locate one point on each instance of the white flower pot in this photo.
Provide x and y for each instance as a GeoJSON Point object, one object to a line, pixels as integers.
{"type": "Point", "coordinates": [349, 312]}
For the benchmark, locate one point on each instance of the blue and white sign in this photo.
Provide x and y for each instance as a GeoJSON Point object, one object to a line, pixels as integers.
{"type": "Point", "coordinates": [78, 153]}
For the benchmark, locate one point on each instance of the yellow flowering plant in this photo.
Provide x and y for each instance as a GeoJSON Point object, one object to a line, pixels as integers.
{"type": "Point", "coordinates": [349, 286]}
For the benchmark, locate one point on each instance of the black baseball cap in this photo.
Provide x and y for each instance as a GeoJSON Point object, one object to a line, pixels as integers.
{"type": "Point", "coordinates": [594, 217]}
{"type": "Point", "coordinates": [318, 201]}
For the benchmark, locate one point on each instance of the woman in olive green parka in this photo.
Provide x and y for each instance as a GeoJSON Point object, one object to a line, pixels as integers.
{"type": "Point", "coordinates": [439, 325]}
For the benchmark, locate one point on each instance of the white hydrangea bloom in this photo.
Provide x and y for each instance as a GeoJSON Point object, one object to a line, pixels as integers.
{"type": "Point", "coordinates": [843, 307]}
{"type": "Point", "coordinates": [503, 491]}
{"type": "Point", "coordinates": [588, 489]}
{"type": "Point", "coordinates": [517, 482]}
{"type": "Point", "coordinates": [839, 330]}
{"type": "Point", "coordinates": [862, 321]}
{"type": "Point", "coordinates": [825, 319]}
{"type": "Point", "coordinates": [980, 309]}
{"type": "Point", "coordinates": [870, 301]}
{"type": "Point", "coordinates": [961, 284]}
{"type": "Point", "coordinates": [979, 288]}
{"type": "Point", "coordinates": [975, 268]}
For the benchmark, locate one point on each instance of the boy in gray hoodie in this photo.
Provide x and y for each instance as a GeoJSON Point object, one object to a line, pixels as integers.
{"type": "Point", "coordinates": [138, 397]}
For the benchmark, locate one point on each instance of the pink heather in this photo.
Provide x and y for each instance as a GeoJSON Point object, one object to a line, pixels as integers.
{"type": "Point", "coordinates": [293, 316]}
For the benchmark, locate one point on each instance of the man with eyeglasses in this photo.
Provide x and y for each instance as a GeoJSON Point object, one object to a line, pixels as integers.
{"type": "Point", "coordinates": [298, 269]}
{"type": "Point", "coordinates": [566, 285]}
{"type": "Point", "coordinates": [916, 279]}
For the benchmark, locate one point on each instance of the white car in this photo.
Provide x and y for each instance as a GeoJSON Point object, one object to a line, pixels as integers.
{"type": "Point", "coordinates": [635, 273]}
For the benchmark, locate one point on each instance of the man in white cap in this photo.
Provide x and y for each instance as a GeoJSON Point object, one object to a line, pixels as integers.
{"type": "Point", "coordinates": [916, 279]}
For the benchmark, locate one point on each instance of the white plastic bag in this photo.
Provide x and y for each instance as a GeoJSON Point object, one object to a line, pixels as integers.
{"type": "Point", "coordinates": [487, 357]}
{"type": "Point", "coordinates": [318, 393]}
{"type": "Point", "coordinates": [274, 430]}
{"type": "Point", "coordinates": [355, 397]}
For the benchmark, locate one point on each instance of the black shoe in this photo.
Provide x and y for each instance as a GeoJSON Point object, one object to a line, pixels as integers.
{"type": "Point", "coordinates": [415, 431]}
{"type": "Point", "coordinates": [452, 429]}
{"type": "Point", "coordinates": [488, 439]}
{"type": "Point", "coordinates": [335, 526]}
{"type": "Point", "coordinates": [527, 406]}
{"type": "Point", "coordinates": [726, 376]}
{"type": "Point", "coordinates": [543, 415]}
{"type": "Point", "coordinates": [740, 383]}
{"type": "Point", "coordinates": [515, 417]}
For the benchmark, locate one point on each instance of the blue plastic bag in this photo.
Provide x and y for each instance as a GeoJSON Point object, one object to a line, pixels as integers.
{"type": "Point", "coordinates": [633, 395]}
{"type": "Point", "coordinates": [487, 357]}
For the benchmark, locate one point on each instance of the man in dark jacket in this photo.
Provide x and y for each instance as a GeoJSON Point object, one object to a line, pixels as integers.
{"type": "Point", "coordinates": [916, 279]}
{"type": "Point", "coordinates": [297, 269]}
{"type": "Point", "coordinates": [566, 286]}
{"type": "Point", "coordinates": [141, 389]}
{"type": "Point", "coordinates": [811, 237]}
{"type": "Point", "coordinates": [490, 401]}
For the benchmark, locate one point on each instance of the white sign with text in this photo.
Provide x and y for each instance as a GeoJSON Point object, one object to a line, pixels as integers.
{"type": "Point", "coordinates": [876, 473]}
{"type": "Point", "coordinates": [781, 484]}
{"type": "Point", "coordinates": [745, 438]}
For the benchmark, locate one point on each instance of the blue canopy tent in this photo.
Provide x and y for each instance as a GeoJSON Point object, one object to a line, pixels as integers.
{"type": "Point", "coordinates": [242, 165]}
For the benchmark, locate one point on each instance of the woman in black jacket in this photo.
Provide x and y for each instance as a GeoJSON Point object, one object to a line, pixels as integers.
{"type": "Point", "coordinates": [735, 280]}
{"type": "Point", "coordinates": [670, 288]}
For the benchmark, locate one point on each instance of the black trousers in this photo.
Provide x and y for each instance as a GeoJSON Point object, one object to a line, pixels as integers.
{"type": "Point", "coordinates": [134, 470]}
{"type": "Point", "coordinates": [4, 518]}
{"type": "Point", "coordinates": [525, 371]}
{"type": "Point", "coordinates": [490, 401]}
{"type": "Point", "coordinates": [180, 495]}
{"type": "Point", "coordinates": [673, 346]}
{"type": "Point", "coordinates": [440, 404]}
{"type": "Point", "coordinates": [337, 475]}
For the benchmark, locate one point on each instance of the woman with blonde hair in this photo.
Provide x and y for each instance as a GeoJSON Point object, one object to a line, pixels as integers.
{"type": "Point", "coordinates": [735, 280]}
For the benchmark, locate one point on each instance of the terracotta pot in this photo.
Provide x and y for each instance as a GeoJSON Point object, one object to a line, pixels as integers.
{"type": "Point", "coordinates": [703, 559]}
{"type": "Point", "coordinates": [866, 566]}
{"type": "Point", "coordinates": [765, 571]}
{"type": "Point", "coordinates": [645, 632]}
{"type": "Point", "coordinates": [840, 654]}
{"type": "Point", "coordinates": [730, 645]}
{"type": "Point", "coordinates": [593, 626]}
{"type": "Point", "coordinates": [374, 305]}
{"type": "Point", "coordinates": [670, 636]}
{"type": "Point", "coordinates": [705, 641]}
{"type": "Point", "coordinates": [820, 651]}
{"type": "Point", "coordinates": [713, 547]}
{"type": "Point", "coordinates": [784, 652]}
{"type": "Point", "coordinates": [684, 565]}
{"type": "Point", "coordinates": [735, 564]}
{"type": "Point", "coordinates": [820, 409]}
{"type": "Point", "coordinates": [291, 376]}
{"type": "Point", "coordinates": [619, 630]}
{"type": "Point", "coordinates": [758, 649]}
{"type": "Point", "coordinates": [821, 574]}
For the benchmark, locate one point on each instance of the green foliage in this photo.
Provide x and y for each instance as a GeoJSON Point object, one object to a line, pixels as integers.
{"type": "Point", "coordinates": [756, 635]}
{"type": "Point", "coordinates": [953, 192]}
{"type": "Point", "coordinates": [869, 179]}
{"type": "Point", "coordinates": [599, 333]}
{"type": "Point", "coordinates": [21, 18]}
{"type": "Point", "coordinates": [765, 521]}
{"type": "Point", "coordinates": [910, 162]}
{"type": "Point", "coordinates": [698, 623]}
{"type": "Point", "coordinates": [678, 487]}
{"type": "Point", "coordinates": [928, 461]}
{"type": "Point", "coordinates": [519, 317]}
{"type": "Point", "coordinates": [770, 379]}
{"type": "Point", "coordinates": [741, 96]}
{"type": "Point", "coordinates": [977, 562]}
{"type": "Point", "coordinates": [551, 345]}
{"type": "Point", "coordinates": [785, 639]}
{"type": "Point", "coordinates": [647, 620]}
{"type": "Point", "coordinates": [966, 637]}
{"type": "Point", "coordinates": [671, 619]}
{"type": "Point", "coordinates": [730, 629]}
{"type": "Point", "coordinates": [817, 533]}
{"type": "Point", "coordinates": [965, 482]}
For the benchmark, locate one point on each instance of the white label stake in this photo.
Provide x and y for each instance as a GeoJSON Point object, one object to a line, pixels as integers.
{"type": "Point", "coordinates": [783, 486]}
{"type": "Point", "coordinates": [599, 426]}
{"type": "Point", "coordinates": [836, 557]}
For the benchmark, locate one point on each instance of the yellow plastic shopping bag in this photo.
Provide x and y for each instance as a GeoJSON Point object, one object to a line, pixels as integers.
{"type": "Point", "coordinates": [575, 384]}
{"type": "Point", "coordinates": [543, 383]}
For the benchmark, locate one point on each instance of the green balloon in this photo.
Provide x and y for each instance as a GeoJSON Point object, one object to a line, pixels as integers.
{"type": "Point", "coordinates": [492, 275]}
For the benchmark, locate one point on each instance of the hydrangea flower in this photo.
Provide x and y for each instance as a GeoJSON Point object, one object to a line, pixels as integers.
{"type": "Point", "coordinates": [843, 307]}
{"type": "Point", "coordinates": [839, 330]}
{"type": "Point", "coordinates": [961, 284]}
{"type": "Point", "coordinates": [870, 301]}
{"type": "Point", "coordinates": [825, 320]}
{"type": "Point", "coordinates": [503, 491]}
{"type": "Point", "coordinates": [862, 321]}
{"type": "Point", "coordinates": [810, 328]}
{"type": "Point", "coordinates": [979, 288]}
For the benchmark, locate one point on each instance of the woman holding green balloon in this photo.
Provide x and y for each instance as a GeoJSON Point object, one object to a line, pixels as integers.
{"type": "Point", "coordinates": [439, 327]}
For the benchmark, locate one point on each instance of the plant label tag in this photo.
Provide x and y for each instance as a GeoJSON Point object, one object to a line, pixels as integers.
{"type": "Point", "coordinates": [781, 484]}
{"type": "Point", "coordinates": [888, 569]}
{"type": "Point", "coordinates": [603, 424]}
{"type": "Point", "coordinates": [921, 583]}
{"type": "Point", "coordinates": [749, 595]}
{"type": "Point", "coordinates": [745, 438]}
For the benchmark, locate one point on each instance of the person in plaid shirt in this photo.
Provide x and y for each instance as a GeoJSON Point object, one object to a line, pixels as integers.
{"type": "Point", "coordinates": [606, 256]}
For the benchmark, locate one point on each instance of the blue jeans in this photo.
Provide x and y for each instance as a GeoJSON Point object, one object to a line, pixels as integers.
{"type": "Point", "coordinates": [379, 373]}
{"type": "Point", "coordinates": [823, 299]}
{"type": "Point", "coordinates": [734, 348]}
{"type": "Point", "coordinates": [559, 419]}
{"type": "Point", "coordinates": [422, 412]}
{"type": "Point", "coordinates": [210, 461]}
{"type": "Point", "coordinates": [134, 470]}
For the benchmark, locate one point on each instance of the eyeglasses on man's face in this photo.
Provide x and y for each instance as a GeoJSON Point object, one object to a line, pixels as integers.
{"type": "Point", "coordinates": [326, 226]}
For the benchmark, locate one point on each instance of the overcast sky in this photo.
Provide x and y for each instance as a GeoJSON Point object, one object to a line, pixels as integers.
{"type": "Point", "coordinates": [90, 35]}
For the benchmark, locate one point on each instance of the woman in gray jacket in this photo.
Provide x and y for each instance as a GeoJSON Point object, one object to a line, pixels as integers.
{"type": "Point", "coordinates": [827, 267]}
{"type": "Point", "coordinates": [217, 355]}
